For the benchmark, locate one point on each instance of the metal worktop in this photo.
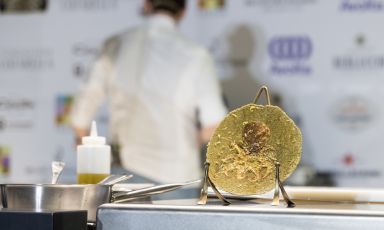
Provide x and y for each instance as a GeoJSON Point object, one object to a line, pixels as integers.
{"type": "Point", "coordinates": [244, 215]}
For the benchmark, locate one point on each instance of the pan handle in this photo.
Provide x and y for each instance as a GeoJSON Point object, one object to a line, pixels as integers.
{"type": "Point", "coordinates": [114, 179]}
{"type": "Point", "coordinates": [120, 197]}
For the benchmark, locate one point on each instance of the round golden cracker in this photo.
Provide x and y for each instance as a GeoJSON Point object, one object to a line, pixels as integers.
{"type": "Point", "coordinates": [247, 143]}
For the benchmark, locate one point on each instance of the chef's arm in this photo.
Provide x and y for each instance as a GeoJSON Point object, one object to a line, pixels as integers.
{"type": "Point", "coordinates": [211, 108]}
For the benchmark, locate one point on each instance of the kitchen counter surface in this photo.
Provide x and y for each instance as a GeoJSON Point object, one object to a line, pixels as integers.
{"type": "Point", "coordinates": [244, 214]}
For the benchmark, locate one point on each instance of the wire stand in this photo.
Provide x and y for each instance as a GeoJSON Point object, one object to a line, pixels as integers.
{"type": "Point", "coordinates": [279, 186]}
{"type": "Point", "coordinates": [204, 190]}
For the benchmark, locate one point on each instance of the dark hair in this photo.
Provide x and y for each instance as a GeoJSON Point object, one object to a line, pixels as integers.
{"type": "Point", "coordinates": [172, 6]}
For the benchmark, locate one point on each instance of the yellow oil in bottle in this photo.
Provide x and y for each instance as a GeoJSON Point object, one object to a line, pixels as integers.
{"type": "Point", "coordinates": [90, 178]}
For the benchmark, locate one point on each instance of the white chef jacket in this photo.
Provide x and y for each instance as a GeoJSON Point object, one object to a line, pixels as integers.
{"type": "Point", "coordinates": [155, 81]}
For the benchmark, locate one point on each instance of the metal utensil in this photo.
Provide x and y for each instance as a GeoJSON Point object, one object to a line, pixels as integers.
{"type": "Point", "coordinates": [114, 179]}
{"type": "Point", "coordinates": [57, 168]}
{"type": "Point", "coordinates": [121, 197]}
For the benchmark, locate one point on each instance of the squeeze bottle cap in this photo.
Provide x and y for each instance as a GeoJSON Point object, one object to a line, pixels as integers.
{"type": "Point", "coordinates": [93, 139]}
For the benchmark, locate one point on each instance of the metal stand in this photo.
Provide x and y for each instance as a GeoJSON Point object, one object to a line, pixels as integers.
{"type": "Point", "coordinates": [276, 196]}
{"type": "Point", "coordinates": [204, 190]}
{"type": "Point", "coordinates": [279, 186]}
{"type": "Point", "coordinates": [266, 92]}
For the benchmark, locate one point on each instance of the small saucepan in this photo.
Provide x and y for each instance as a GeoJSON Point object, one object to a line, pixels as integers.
{"type": "Point", "coordinates": [56, 197]}
{"type": "Point", "coordinates": [59, 196]}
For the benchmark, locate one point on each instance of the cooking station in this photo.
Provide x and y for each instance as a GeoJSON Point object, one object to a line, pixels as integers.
{"type": "Point", "coordinates": [316, 208]}
{"type": "Point", "coordinates": [244, 215]}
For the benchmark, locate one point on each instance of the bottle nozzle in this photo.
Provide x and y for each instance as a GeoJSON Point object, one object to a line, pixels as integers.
{"type": "Point", "coordinates": [93, 138]}
{"type": "Point", "coordinates": [93, 129]}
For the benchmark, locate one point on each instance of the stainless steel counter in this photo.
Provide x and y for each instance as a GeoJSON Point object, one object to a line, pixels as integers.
{"type": "Point", "coordinates": [244, 215]}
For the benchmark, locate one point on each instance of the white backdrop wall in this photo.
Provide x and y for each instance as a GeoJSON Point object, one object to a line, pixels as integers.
{"type": "Point", "coordinates": [323, 58]}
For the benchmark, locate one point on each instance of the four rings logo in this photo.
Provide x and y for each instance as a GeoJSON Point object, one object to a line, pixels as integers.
{"type": "Point", "coordinates": [290, 48]}
{"type": "Point", "coordinates": [290, 54]}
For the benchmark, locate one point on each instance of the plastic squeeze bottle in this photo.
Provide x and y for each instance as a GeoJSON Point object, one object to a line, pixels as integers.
{"type": "Point", "coordinates": [93, 158]}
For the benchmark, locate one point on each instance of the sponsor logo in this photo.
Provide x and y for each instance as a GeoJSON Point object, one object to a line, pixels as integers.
{"type": "Point", "coordinates": [80, 71]}
{"type": "Point", "coordinates": [348, 159]}
{"type": "Point", "coordinates": [289, 55]}
{"type": "Point", "coordinates": [371, 62]}
{"type": "Point", "coordinates": [16, 113]}
{"type": "Point", "coordinates": [26, 59]}
{"type": "Point", "coordinates": [362, 5]}
{"type": "Point", "coordinates": [5, 155]}
{"type": "Point", "coordinates": [290, 48]}
{"type": "Point", "coordinates": [64, 105]}
{"type": "Point", "coordinates": [361, 59]}
{"type": "Point", "coordinates": [23, 6]}
{"type": "Point", "coordinates": [211, 4]}
{"type": "Point", "coordinates": [82, 49]}
{"type": "Point", "coordinates": [83, 56]}
{"type": "Point", "coordinates": [89, 5]}
{"type": "Point", "coordinates": [271, 5]}
{"type": "Point", "coordinates": [14, 124]}
{"type": "Point", "coordinates": [16, 104]}
{"type": "Point", "coordinates": [353, 114]}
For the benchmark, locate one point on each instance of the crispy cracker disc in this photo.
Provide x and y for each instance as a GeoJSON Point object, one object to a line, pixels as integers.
{"type": "Point", "coordinates": [243, 150]}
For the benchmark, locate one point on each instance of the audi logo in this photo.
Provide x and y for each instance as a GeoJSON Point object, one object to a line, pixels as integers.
{"type": "Point", "coordinates": [290, 48]}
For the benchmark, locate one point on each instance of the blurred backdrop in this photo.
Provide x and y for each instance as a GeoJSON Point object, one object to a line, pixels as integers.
{"type": "Point", "coordinates": [323, 61]}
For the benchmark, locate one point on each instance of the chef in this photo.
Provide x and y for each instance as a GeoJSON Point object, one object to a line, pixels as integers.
{"type": "Point", "coordinates": [159, 85]}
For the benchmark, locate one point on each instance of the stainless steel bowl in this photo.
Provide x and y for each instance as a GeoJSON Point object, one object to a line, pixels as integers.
{"type": "Point", "coordinates": [56, 197]}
